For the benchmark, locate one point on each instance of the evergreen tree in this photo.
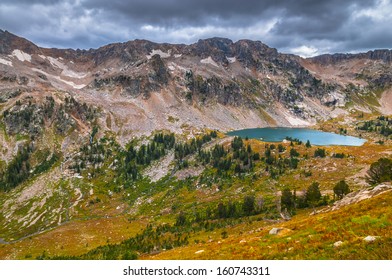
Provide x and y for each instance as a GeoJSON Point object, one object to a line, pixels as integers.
{"type": "Point", "coordinates": [181, 219]}
{"type": "Point", "coordinates": [293, 153]}
{"type": "Point", "coordinates": [248, 205]}
{"type": "Point", "coordinates": [238, 168]}
{"type": "Point", "coordinates": [341, 189]}
{"type": "Point", "coordinates": [287, 199]}
{"type": "Point", "coordinates": [231, 210]}
{"type": "Point", "coordinates": [237, 143]}
{"type": "Point", "coordinates": [313, 194]}
{"type": "Point", "coordinates": [222, 211]}
{"type": "Point", "coordinates": [320, 153]}
{"type": "Point", "coordinates": [380, 171]}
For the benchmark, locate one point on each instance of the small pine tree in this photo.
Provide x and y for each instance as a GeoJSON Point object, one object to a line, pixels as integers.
{"type": "Point", "coordinates": [341, 189]}
{"type": "Point", "coordinates": [320, 153]}
{"type": "Point", "coordinates": [287, 199]}
{"type": "Point", "coordinates": [222, 211]}
{"type": "Point", "coordinates": [181, 219]}
{"type": "Point", "coordinates": [380, 171]}
{"type": "Point", "coordinates": [293, 153]}
{"type": "Point", "coordinates": [238, 168]}
{"type": "Point", "coordinates": [313, 194]}
{"type": "Point", "coordinates": [248, 205]}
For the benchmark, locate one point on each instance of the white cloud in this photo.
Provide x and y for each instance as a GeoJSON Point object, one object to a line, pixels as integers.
{"type": "Point", "coordinates": [151, 28]}
{"type": "Point", "coordinates": [305, 51]}
{"type": "Point", "coordinates": [380, 12]}
{"type": "Point", "coordinates": [190, 34]}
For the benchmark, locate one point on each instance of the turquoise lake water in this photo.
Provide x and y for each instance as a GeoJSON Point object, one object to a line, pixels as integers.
{"type": "Point", "coordinates": [316, 137]}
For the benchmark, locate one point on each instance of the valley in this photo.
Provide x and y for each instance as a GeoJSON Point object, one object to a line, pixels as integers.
{"type": "Point", "coordinates": [121, 152]}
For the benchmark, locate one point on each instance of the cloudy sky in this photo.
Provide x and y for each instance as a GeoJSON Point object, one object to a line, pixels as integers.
{"type": "Point", "coordinates": [304, 27]}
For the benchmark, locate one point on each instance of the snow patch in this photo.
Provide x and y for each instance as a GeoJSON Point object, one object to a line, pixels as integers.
{"type": "Point", "coordinates": [22, 56]}
{"type": "Point", "coordinates": [55, 62]}
{"type": "Point", "coordinates": [209, 60]}
{"type": "Point", "coordinates": [58, 78]}
{"type": "Point", "coordinates": [72, 84]}
{"type": "Point", "coordinates": [177, 55]}
{"type": "Point", "coordinates": [175, 65]}
{"type": "Point", "coordinates": [160, 53]}
{"type": "Point", "coordinates": [65, 70]}
{"type": "Point", "coordinates": [72, 74]}
{"type": "Point", "coordinates": [5, 62]}
{"type": "Point", "coordinates": [231, 59]}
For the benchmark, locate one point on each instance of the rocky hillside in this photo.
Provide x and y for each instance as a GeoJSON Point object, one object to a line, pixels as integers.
{"type": "Point", "coordinates": [213, 83]}
{"type": "Point", "coordinates": [97, 144]}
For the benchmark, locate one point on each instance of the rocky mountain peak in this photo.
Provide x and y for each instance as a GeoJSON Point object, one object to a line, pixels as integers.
{"type": "Point", "coordinates": [9, 42]}
{"type": "Point", "coordinates": [384, 55]}
{"type": "Point", "coordinates": [216, 43]}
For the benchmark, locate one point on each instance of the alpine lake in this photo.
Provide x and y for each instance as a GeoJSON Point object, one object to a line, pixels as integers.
{"type": "Point", "coordinates": [316, 137]}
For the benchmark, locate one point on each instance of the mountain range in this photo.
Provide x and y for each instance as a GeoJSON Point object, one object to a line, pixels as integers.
{"type": "Point", "coordinates": [213, 83]}
{"type": "Point", "coordinates": [73, 123]}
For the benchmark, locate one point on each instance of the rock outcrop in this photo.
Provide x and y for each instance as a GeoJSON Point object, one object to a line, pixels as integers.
{"type": "Point", "coordinates": [360, 195]}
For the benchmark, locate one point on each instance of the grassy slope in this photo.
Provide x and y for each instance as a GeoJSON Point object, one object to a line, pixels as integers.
{"type": "Point", "coordinates": [73, 238]}
{"type": "Point", "coordinates": [108, 221]}
{"type": "Point", "coordinates": [304, 237]}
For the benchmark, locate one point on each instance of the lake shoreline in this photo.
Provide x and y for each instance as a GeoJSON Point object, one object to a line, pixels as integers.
{"type": "Point", "coordinates": [315, 137]}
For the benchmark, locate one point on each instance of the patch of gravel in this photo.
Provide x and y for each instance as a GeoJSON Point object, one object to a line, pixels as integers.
{"type": "Point", "coordinates": [189, 172]}
{"type": "Point", "coordinates": [160, 168]}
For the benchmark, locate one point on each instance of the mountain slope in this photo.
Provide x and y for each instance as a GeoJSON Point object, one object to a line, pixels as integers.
{"type": "Point", "coordinates": [214, 83]}
{"type": "Point", "coordinates": [87, 149]}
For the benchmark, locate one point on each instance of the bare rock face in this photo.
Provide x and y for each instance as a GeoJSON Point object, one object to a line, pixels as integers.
{"type": "Point", "coordinates": [333, 99]}
{"type": "Point", "coordinates": [160, 74]}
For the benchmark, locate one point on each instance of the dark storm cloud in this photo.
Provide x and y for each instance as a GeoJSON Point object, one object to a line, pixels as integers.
{"type": "Point", "coordinates": [184, 12]}
{"type": "Point", "coordinates": [305, 27]}
{"type": "Point", "coordinates": [156, 11]}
